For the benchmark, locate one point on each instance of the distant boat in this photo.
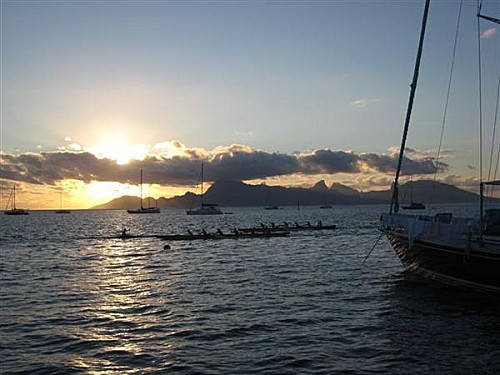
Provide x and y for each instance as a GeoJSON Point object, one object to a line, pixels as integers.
{"type": "Point", "coordinates": [269, 203]}
{"type": "Point", "coordinates": [272, 208]}
{"type": "Point", "coordinates": [13, 209]}
{"type": "Point", "coordinates": [60, 210]}
{"type": "Point", "coordinates": [325, 206]}
{"type": "Point", "coordinates": [205, 208]}
{"type": "Point", "coordinates": [142, 209]}
{"type": "Point", "coordinates": [413, 205]}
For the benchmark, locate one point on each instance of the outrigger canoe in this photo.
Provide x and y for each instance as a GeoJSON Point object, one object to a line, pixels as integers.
{"type": "Point", "coordinates": [287, 227]}
{"type": "Point", "coordinates": [222, 236]}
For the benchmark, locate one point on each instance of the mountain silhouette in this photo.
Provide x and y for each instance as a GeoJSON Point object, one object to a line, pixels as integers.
{"type": "Point", "coordinates": [240, 194]}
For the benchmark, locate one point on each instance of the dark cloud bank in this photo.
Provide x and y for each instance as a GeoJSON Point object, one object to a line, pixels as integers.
{"type": "Point", "coordinates": [48, 168]}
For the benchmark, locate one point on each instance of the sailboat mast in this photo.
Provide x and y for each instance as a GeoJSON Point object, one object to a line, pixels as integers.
{"type": "Point", "coordinates": [202, 184]}
{"type": "Point", "coordinates": [141, 190]}
{"type": "Point", "coordinates": [413, 88]}
{"type": "Point", "coordinates": [481, 183]}
{"type": "Point", "coordinates": [14, 198]}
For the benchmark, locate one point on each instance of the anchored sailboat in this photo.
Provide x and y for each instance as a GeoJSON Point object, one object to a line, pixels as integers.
{"type": "Point", "coordinates": [205, 208]}
{"type": "Point", "coordinates": [61, 210]}
{"type": "Point", "coordinates": [142, 209]}
{"type": "Point", "coordinates": [13, 209]}
{"type": "Point", "coordinates": [463, 251]}
{"type": "Point", "coordinates": [413, 205]}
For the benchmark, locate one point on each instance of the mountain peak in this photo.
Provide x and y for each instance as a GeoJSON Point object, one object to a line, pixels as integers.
{"type": "Point", "coordinates": [342, 189]}
{"type": "Point", "coordinates": [320, 186]}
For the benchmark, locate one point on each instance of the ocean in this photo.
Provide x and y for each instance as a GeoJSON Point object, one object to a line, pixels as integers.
{"type": "Point", "coordinates": [74, 300]}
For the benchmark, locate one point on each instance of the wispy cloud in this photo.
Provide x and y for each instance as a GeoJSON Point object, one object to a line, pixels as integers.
{"type": "Point", "coordinates": [361, 103]}
{"type": "Point", "coordinates": [467, 183]}
{"type": "Point", "coordinates": [244, 134]}
{"type": "Point", "coordinates": [423, 154]}
{"type": "Point", "coordinates": [489, 33]}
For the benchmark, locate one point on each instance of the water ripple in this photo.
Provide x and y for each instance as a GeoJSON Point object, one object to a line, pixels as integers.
{"type": "Point", "coordinates": [299, 305]}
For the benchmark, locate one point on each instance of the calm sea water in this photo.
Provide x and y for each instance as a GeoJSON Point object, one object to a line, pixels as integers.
{"type": "Point", "coordinates": [72, 302]}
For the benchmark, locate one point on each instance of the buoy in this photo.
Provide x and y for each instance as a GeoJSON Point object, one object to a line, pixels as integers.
{"type": "Point", "coordinates": [166, 247]}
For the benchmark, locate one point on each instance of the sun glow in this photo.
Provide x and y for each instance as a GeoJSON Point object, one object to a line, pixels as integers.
{"type": "Point", "coordinates": [97, 193]}
{"type": "Point", "coordinates": [100, 192]}
{"type": "Point", "coordinates": [119, 150]}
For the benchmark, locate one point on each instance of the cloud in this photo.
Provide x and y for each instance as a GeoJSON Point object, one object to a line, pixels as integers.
{"type": "Point", "coordinates": [361, 103]}
{"type": "Point", "coordinates": [238, 162]}
{"type": "Point", "coordinates": [177, 165]}
{"type": "Point", "coordinates": [428, 154]}
{"type": "Point", "coordinates": [470, 182]}
{"type": "Point", "coordinates": [327, 161]}
{"type": "Point", "coordinates": [388, 164]}
{"type": "Point", "coordinates": [489, 33]}
{"type": "Point", "coordinates": [244, 134]}
{"type": "Point", "coordinates": [369, 182]}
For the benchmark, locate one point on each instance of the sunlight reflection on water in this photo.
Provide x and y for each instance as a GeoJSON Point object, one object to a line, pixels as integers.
{"type": "Point", "coordinates": [303, 304]}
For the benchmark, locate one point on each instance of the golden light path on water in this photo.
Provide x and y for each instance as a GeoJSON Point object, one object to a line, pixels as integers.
{"type": "Point", "coordinates": [125, 306]}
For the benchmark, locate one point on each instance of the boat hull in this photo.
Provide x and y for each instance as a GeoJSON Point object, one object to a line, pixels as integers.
{"type": "Point", "coordinates": [471, 266]}
{"type": "Point", "coordinates": [203, 211]}
{"type": "Point", "coordinates": [288, 228]}
{"type": "Point", "coordinates": [144, 211]}
{"type": "Point", "coordinates": [414, 206]}
{"type": "Point", "coordinates": [217, 236]}
{"type": "Point", "coordinates": [16, 211]}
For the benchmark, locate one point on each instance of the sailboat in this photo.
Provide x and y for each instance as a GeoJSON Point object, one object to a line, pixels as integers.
{"type": "Point", "coordinates": [413, 205]}
{"type": "Point", "coordinates": [452, 250]}
{"type": "Point", "coordinates": [142, 209]}
{"type": "Point", "coordinates": [205, 208]}
{"type": "Point", "coordinates": [61, 210]}
{"type": "Point", "coordinates": [270, 207]}
{"type": "Point", "coordinates": [13, 209]}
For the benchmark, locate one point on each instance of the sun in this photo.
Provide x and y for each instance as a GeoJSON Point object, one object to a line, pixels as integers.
{"type": "Point", "coordinates": [119, 150]}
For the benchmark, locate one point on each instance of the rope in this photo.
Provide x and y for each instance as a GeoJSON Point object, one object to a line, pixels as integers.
{"type": "Point", "coordinates": [494, 131]}
{"type": "Point", "coordinates": [449, 88]}
{"type": "Point", "coordinates": [493, 137]}
{"type": "Point", "coordinates": [480, 111]}
{"type": "Point", "coordinates": [480, 88]}
{"type": "Point", "coordinates": [373, 247]}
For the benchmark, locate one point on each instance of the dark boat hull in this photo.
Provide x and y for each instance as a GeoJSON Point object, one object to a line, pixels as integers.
{"type": "Point", "coordinates": [289, 228]}
{"type": "Point", "coordinates": [16, 211]}
{"type": "Point", "coordinates": [414, 206]}
{"type": "Point", "coordinates": [470, 267]}
{"type": "Point", "coordinates": [144, 211]}
{"type": "Point", "coordinates": [214, 236]}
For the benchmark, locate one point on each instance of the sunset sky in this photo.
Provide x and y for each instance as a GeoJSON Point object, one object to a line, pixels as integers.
{"type": "Point", "coordinates": [280, 92]}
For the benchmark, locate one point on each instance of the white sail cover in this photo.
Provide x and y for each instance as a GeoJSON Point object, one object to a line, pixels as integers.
{"type": "Point", "coordinates": [440, 227]}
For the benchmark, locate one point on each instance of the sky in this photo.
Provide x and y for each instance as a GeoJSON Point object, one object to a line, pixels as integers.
{"type": "Point", "coordinates": [275, 92]}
